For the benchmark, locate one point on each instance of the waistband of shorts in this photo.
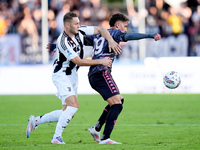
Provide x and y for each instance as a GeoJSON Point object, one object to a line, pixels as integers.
{"type": "Point", "coordinates": [98, 72]}
{"type": "Point", "coordinates": [72, 72]}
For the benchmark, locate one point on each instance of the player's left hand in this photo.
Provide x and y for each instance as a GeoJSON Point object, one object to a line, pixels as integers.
{"type": "Point", "coordinates": [115, 47]}
{"type": "Point", "coordinates": [157, 37]}
{"type": "Point", "coordinates": [49, 50]}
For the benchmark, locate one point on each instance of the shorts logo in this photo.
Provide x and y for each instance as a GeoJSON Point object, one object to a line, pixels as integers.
{"type": "Point", "coordinates": [69, 89]}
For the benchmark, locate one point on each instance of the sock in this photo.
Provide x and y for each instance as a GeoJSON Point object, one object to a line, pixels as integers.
{"type": "Point", "coordinates": [64, 120]}
{"type": "Point", "coordinates": [49, 117]}
{"type": "Point", "coordinates": [102, 118]}
{"type": "Point", "coordinates": [122, 100]}
{"type": "Point", "coordinates": [111, 120]}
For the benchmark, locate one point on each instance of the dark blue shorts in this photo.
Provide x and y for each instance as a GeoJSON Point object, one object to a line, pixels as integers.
{"type": "Point", "coordinates": [104, 84]}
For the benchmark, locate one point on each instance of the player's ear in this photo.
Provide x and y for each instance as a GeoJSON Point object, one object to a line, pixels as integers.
{"type": "Point", "coordinates": [66, 24]}
{"type": "Point", "coordinates": [117, 24]}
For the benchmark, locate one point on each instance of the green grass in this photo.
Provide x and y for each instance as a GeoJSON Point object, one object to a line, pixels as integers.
{"type": "Point", "coordinates": [147, 122]}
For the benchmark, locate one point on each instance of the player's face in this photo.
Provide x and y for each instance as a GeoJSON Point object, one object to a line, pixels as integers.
{"type": "Point", "coordinates": [122, 26]}
{"type": "Point", "coordinates": [74, 25]}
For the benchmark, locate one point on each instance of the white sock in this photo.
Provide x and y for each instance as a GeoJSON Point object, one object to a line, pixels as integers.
{"type": "Point", "coordinates": [64, 120]}
{"type": "Point", "coordinates": [49, 117]}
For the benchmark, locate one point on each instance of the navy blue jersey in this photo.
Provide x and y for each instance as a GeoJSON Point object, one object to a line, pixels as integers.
{"type": "Point", "coordinates": [101, 49]}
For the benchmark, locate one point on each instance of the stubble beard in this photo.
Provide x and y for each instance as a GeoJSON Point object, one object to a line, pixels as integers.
{"type": "Point", "coordinates": [73, 31]}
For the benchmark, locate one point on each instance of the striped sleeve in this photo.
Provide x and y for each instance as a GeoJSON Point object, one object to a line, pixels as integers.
{"type": "Point", "coordinates": [87, 30]}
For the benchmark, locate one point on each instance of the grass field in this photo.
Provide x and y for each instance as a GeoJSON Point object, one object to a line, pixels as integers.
{"type": "Point", "coordinates": [147, 122]}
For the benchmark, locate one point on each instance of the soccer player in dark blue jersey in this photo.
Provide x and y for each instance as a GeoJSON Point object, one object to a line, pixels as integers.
{"type": "Point", "coordinates": [100, 77]}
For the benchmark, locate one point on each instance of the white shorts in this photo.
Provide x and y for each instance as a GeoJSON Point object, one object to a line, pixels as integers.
{"type": "Point", "coordinates": [66, 84]}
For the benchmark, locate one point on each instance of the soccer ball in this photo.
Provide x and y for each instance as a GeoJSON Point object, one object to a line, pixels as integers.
{"type": "Point", "coordinates": [172, 79]}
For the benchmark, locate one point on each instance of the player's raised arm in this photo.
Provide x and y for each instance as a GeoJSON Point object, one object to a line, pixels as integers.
{"type": "Point", "coordinates": [112, 44]}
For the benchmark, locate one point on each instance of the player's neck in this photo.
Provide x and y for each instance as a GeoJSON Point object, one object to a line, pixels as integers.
{"type": "Point", "coordinates": [71, 35]}
{"type": "Point", "coordinates": [113, 27]}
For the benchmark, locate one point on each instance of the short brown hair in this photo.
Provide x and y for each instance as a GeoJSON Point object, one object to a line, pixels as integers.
{"type": "Point", "coordinates": [69, 16]}
{"type": "Point", "coordinates": [117, 17]}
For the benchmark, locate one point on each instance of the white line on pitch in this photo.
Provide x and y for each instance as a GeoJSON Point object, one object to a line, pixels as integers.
{"type": "Point", "coordinates": [136, 125]}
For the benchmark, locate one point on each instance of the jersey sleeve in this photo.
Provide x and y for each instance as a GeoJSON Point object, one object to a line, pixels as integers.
{"type": "Point", "coordinates": [88, 40]}
{"type": "Point", "coordinates": [70, 54]}
{"type": "Point", "coordinates": [87, 30]}
{"type": "Point", "coordinates": [137, 36]}
{"type": "Point", "coordinates": [118, 35]}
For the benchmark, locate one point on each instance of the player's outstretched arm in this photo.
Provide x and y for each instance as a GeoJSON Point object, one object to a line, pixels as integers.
{"type": "Point", "coordinates": [87, 62]}
{"type": "Point", "coordinates": [138, 36]}
{"type": "Point", "coordinates": [112, 44]}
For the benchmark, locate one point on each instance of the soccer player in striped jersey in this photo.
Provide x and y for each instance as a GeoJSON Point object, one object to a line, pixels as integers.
{"type": "Point", "coordinates": [65, 75]}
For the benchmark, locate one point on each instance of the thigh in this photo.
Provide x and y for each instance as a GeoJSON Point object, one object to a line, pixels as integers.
{"type": "Point", "coordinates": [64, 85]}
{"type": "Point", "coordinates": [104, 84]}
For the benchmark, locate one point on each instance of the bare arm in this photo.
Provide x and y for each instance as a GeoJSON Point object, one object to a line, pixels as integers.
{"type": "Point", "coordinates": [87, 62]}
{"type": "Point", "coordinates": [112, 44]}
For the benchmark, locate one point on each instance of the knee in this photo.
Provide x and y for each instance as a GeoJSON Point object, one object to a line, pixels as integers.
{"type": "Point", "coordinates": [73, 104]}
{"type": "Point", "coordinates": [114, 100]}
{"type": "Point", "coordinates": [72, 101]}
{"type": "Point", "coordinates": [119, 107]}
{"type": "Point", "coordinates": [76, 104]}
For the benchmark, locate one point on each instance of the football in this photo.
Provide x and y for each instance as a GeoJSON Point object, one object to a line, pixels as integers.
{"type": "Point", "coordinates": [172, 79]}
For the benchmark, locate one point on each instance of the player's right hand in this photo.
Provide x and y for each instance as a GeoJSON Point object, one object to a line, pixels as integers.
{"type": "Point", "coordinates": [115, 47]}
{"type": "Point", "coordinates": [107, 61]}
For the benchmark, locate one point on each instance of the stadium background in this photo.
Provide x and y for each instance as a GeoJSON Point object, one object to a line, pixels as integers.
{"type": "Point", "coordinates": [139, 69]}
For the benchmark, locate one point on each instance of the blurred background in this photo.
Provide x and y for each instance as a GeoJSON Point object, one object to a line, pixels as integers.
{"type": "Point", "coordinates": [26, 27]}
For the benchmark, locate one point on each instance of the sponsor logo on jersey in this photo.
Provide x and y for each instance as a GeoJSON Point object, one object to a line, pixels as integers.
{"type": "Point", "coordinates": [69, 53]}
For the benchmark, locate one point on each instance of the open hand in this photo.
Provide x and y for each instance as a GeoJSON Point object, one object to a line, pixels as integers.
{"type": "Point", "coordinates": [115, 47]}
